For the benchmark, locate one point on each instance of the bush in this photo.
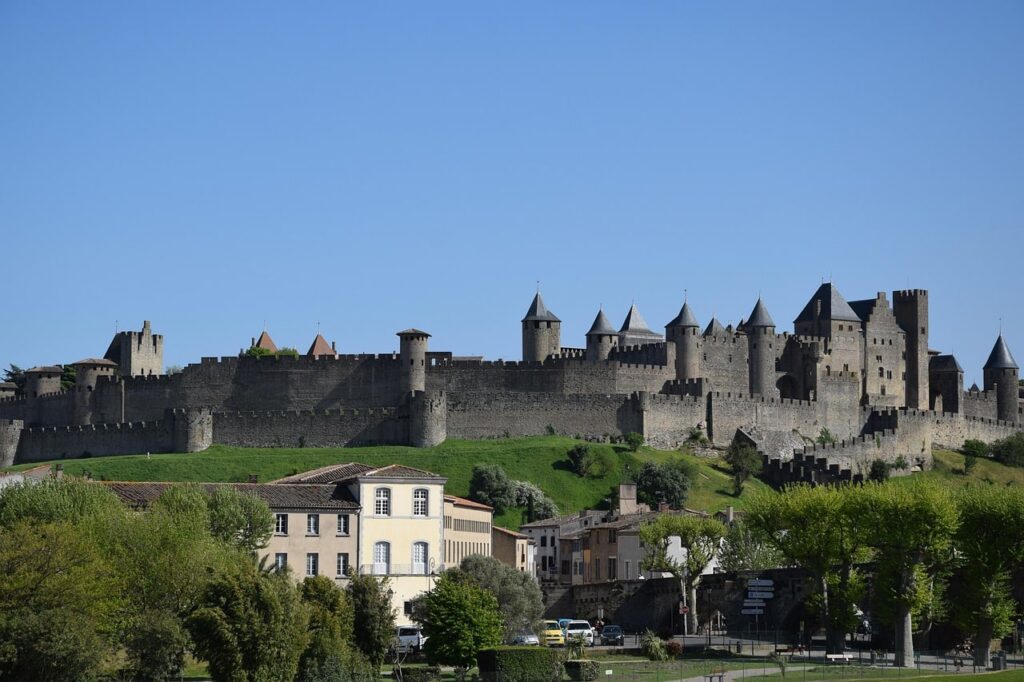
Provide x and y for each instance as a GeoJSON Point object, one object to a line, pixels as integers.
{"type": "Point", "coordinates": [428, 674]}
{"type": "Point", "coordinates": [587, 463]}
{"type": "Point", "coordinates": [673, 648]}
{"type": "Point", "coordinates": [974, 448]}
{"type": "Point", "coordinates": [634, 440]}
{"type": "Point", "coordinates": [1010, 450]}
{"type": "Point", "coordinates": [669, 481]}
{"type": "Point", "coordinates": [652, 646]}
{"type": "Point", "coordinates": [879, 471]}
{"type": "Point", "coordinates": [581, 670]}
{"type": "Point", "coordinates": [519, 664]}
{"type": "Point", "coordinates": [970, 462]}
{"type": "Point", "coordinates": [744, 461]}
{"type": "Point", "coordinates": [489, 484]}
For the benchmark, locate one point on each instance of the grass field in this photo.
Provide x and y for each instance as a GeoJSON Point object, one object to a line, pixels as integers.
{"type": "Point", "coordinates": [541, 460]}
{"type": "Point", "coordinates": [949, 468]}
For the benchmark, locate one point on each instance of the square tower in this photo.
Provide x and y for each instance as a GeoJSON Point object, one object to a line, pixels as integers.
{"type": "Point", "coordinates": [911, 310]}
{"type": "Point", "coordinates": [138, 353]}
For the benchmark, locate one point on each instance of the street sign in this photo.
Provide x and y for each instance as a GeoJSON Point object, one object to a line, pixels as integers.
{"type": "Point", "coordinates": [683, 609]}
{"type": "Point", "coordinates": [753, 602]}
{"type": "Point", "coordinates": [760, 595]}
{"type": "Point", "coordinates": [752, 612]}
{"type": "Point", "coordinates": [760, 582]}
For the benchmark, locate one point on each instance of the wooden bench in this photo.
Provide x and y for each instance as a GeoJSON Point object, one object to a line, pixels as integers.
{"type": "Point", "coordinates": [716, 675]}
{"type": "Point", "coordinates": [838, 658]}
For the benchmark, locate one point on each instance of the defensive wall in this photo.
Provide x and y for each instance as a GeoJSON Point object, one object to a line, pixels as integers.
{"type": "Point", "coordinates": [310, 428]}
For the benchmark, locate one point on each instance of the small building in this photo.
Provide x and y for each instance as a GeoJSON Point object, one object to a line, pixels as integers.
{"type": "Point", "coordinates": [553, 563]}
{"type": "Point", "coordinates": [467, 529]}
{"type": "Point", "coordinates": [514, 549]}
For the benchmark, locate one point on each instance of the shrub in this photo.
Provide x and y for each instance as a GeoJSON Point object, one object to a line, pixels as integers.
{"type": "Point", "coordinates": [901, 463]}
{"type": "Point", "coordinates": [974, 448]}
{"type": "Point", "coordinates": [428, 674]}
{"type": "Point", "coordinates": [1010, 450]}
{"type": "Point", "coordinates": [586, 462]}
{"type": "Point", "coordinates": [519, 664]}
{"type": "Point", "coordinates": [825, 437]}
{"type": "Point", "coordinates": [669, 481]}
{"type": "Point", "coordinates": [581, 670]}
{"type": "Point", "coordinates": [744, 461]}
{"type": "Point", "coordinates": [489, 484]}
{"type": "Point", "coordinates": [879, 471]}
{"type": "Point", "coordinates": [673, 648]}
{"type": "Point", "coordinates": [652, 646]}
{"type": "Point", "coordinates": [970, 462]}
{"type": "Point", "coordinates": [634, 440]}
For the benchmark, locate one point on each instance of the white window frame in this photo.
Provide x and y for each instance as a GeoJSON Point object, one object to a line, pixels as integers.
{"type": "Point", "coordinates": [280, 561]}
{"type": "Point", "coordinates": [343, 524]}
{"type": "Point", "coordinates": [280, 524]}
{"type": "Point", "coordinates": [420, 567]}
{"type": "Point", "coordinates": [382, 500]}
{"type": "Point", "coordinates": [342, 564]}
{"type": "Point", "coordinates": [312, 564]}
{"type": "Point", "coordinates": [421, 507]}
{"type": "Point", "coordinates": [312, 524]}
{"type": "Point", "coordinates": [381, 566]}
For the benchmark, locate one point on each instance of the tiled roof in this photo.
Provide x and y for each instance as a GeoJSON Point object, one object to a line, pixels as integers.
{"type": "Point", "coordinates": [44, 369]}
{"type": "Point", "coordinates": [336, 473]}
{"type": "Point", "coordinates": [601, 325]}
{"type": "Point", "coordinates": [506, 531]}
{"type": "Point", "coordinates": [96, 361]}
{"type": "Point", "coordinates": [538, 311]}
{"type": "Point", "coordinates": [1000, 357]}
{"type": "Point", "coordinates": [832, 306]}
{"type": "Point", "coordinates": [266, 342]}
{"type": "Point", "coordinates": [759, 317]}
{"type": "Point", "coordinates": [685, 318]}
{"type": "Point", "coordinates": [412, 331]}
{"type": "Point", "coordinates": [141, 494]}
{"type": "Point", "coordinates": [463, 502]}
{"type": "Point", "coordinates": [944, 363]}
{"type": "Point", "coordinates": [714, 328]}
{"type": "Point", "coordinates": [399, 471]}
{"type": "Point", "coordinates": [320, 347]}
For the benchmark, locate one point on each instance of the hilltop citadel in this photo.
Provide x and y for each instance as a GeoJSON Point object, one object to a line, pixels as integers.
{"type": "Point", "coordinates": [862, 370]}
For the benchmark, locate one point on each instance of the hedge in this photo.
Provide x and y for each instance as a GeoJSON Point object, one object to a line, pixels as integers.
{"type": "Point", "coordinates": [519, 664]}
{"type": "Point", "coordinates": [581, 670]}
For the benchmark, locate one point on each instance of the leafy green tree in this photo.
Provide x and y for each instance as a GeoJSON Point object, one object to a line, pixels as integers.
{"type": "Point", "coordinates": [328, 656]}
{"type": "Point", "coordinates": [155, 647]}
{"type": "Point", "coordinates": [819, 529]}
{"type": "Point", "coordinates": [581, 459]}
{"type": "Point", "coordinates": [911, 529]}
{"type": "Point", "coordinates": [517, 593]}
{"type": "Point", "coordinates": [67, 377]}
{"type": "Point", "coordinates": [257, 352]}
{"type": "Point", "coordinates": [1009, 450]}
{"type": "Point", "coordinates": [57, 597]}
{"type": "Point", "coordinates": [287, 351]}
{"type": "Point", "coordinates": [489, 484]}
{"type": "Point", "coordinates": [373, 617]}
{"type": "Point", "coordinates": [879, 471]}
{"type": "Point", "coordinates": [15, 375]}
{"type": "Point", "coordinates": [250, 625]}
{"type": "Point", "coordinates": [459, 619]}
{"type": "Point", "coordinates": [537, 504]}
{"type": "Point", "coordinates": [744, 461]}
{"type": "Point", "coordinates": [990, 545]}
{"type": "Point", "coordinates": [700, 539]}
{"type": "Point", "coordinates": [68, 499]}
{"type": "Point", "coordinates": [746, 550]}
{"type": "Point", "coordinates": [669, 482]}
{"type": "Point", "coordinates": [634, 440]}
{"type": "Point", "coordinates": [970, 464]}
{"type": "Point", "coordinates": [242, 520]}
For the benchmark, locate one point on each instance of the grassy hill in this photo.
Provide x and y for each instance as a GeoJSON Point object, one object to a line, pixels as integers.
{"type": "Point", "coordinates": [949, 468]}
{"type": "Point", "coordinates": [541, 460]}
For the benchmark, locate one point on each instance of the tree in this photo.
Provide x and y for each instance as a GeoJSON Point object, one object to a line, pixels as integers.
{"type": "Point", "coordinates": [820, 530]}
{"type": "Point", "coordinates": [911, 529]}
{"type": "Point", "coordinates": [328, 656]}
{"type": "Point", "coordinates": [581, 459]}
{"type": "Point", "coordinates": [459, 619]}
{"type": "Point", "coordinates": [634, 440]}
{"type": "Point", "coordinates": [990, 545]}
{"type": "Point", "coordinates": [537, 504]}
{"type": "Point", "coordinates": [250, 625]}
{"type": "Point", "coordinates": [373, 617]}
{"type": "Point", "coordinates": [57, 596]}
{"type": "Point", "coordinates": [879, 471]}
{"type": "Point", "coordinates": [52, 500]}
{"type": "Point", "coordinates": [242, 520]}
{"type": "Point", "coordinates": [15, 375]}
{"type": "Point", "coordinates": [257, 352]}
{"type": "Point", "coordinates": [67, 377]}
{"type": "Point", "coordinates": [155, 646]}
{"type": "Point", "coordinates": [974, 448]}
{"type": "Point", "coordinates": [746, 550]}
{"type": "Point", "coordinates": [287, 351]}
{"type": "Point", "coordinates": [744, 461]}
{"type": "Point", "coordinates": [699, 538]}
{"type": "Point", "coordinates": [1009, 450]}
{"type": "Point", "coordinates": [517, 593]}
{"type": "Point", "coordinates": [489, 484]}
{"type": "Point", "coordinates": [669, 482]}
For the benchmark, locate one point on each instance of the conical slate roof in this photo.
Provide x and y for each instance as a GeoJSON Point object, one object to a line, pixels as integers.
{"type": "Point", "coordinates": [320, 347]}
{"type": "Point", "coordinates": [833, 306]}
{"type": "Point", "coordinates": [266, 342]}
{"type": "Point", "coordinates": [1000, 357]}
{"type": "Point", "coordinates": [601, 325]}
{"type": "Point", "coordinates": [685, 318]}
{"type": "Point", "coordinates": [714, 328]}
{"type": "Point", "coordinates": [759, 317]}
{"type": "Point", "coordinates": [634, 321]}
{"type": "Point", "coordinates": [538, 311]}
{"type": "Point", "coordinates": [974, 387]}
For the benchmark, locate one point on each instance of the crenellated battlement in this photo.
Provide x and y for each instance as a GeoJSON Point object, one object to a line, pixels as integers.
{"type": "Point", "coordinates": [382, 412]}
{"type": "Point", "coordinates": [719, 396]}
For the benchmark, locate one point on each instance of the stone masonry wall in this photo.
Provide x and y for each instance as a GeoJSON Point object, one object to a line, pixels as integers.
{"type": "Point", "coordinates": [488, 415]}
{"type": "Point", "coordinates": [310, 428]}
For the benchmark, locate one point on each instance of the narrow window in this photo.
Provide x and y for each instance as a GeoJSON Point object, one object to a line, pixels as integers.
{"type": "Point", "coordinates": [382, 502]}
{"type": "Point", "coordinates": [312, 524]}
{"type": "Point", "coordinates": [419, 558]}
{"type": "Point", "coordinates": [342, 524]}
{"type": "Point", "coordinates": [381, 558]}
{"type": "Point", "coordinates": [419, 502]}
{"type": "Point", "coordinates": [280, 561]}
{"type": "Point", "coordinates": [281, 524]}
{"type": "Point", "coordinates": [312, 564]}
{"type": "Point", "coordinates": [342, 564]}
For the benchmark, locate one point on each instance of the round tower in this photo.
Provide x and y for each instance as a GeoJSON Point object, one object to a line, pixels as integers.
{"type": "Point", "coordinates": [1002, 374]}
{"type": "Point", "coordinates": [542, 332]}
{"type": "Point", "coordinates": [39, 381]}
{"type": "Point", "coordinates": [428, 419]}
{"type": "Point", "coordinates": [87, 373]}
{"type": "Point", "coordinates": [601, 338]}
{"type": "Point", "coordinates": [10, 436]}
{"type": "Point", "coordinates": [760, 330]}
{"type": "Point", "coordinates": [684, 332]}
{"type": "Point", "coordinates": [413, 357]}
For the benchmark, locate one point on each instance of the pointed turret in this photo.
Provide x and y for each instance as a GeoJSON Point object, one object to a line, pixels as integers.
{"type": "Point", "coordinates": [542, 332]}
{"type": "Point", "coordinates": [265, 342]}
{"type": "Point", "coordinates": [634, 330]}
{"type": "Point", "coordinates": [684, 333]}
{"type": "Point", "coordinates": [1002, 375]}
{"type": "Point", "coordinates": [714, 328]}
{"type": "Point", "coordinates": [760, 331]}
{"type": "Point", "coordinates": [685, 318]}
{"type": "Point", "coordinates": [601, 338]}
{"type": "Point", "coordinates": [320, 347]}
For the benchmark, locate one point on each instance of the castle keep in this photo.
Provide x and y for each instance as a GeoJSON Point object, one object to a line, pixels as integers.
{"type": "Point", "coordinates": [862, 370]}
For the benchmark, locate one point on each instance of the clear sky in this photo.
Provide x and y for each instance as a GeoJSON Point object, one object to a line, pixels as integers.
{"type": "Point", "coordinates": [376, 166]}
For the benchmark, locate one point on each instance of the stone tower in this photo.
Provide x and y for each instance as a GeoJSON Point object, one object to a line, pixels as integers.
{"type": "Point", "coordinates": [684, 332]}
{"type": "Point", "coordinates": [601, 338]}
{"type": "Point", "coordinates": [542, 332]}
{"type": "Point", "coordinates": [413, 357]}
{"type": "Point", "coordinates": [39, 381]}
{"type": "Point", "coordinates": [911, 310]}
{"type": "Point", "coordinates": [760, 329]}
{"type": "Point", "coordinates": [137, 353]}
{"type": "Point", "coordinates": [946, 382]}
{"type": "Point", "coordinates": [87, 373]}
{"type": "Point", "coordinates": [1002, 375]}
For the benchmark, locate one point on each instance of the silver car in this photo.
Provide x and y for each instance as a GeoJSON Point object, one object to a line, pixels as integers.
{"type": "Point", "coordinates": [526, 639]}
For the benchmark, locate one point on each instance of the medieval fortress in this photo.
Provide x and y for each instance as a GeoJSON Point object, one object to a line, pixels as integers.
{"type": "Point", "coordinates": [861, 371]}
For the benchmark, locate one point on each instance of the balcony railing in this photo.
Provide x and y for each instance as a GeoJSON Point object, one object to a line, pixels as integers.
{"type": "Point", "coordinates": [397, 569]}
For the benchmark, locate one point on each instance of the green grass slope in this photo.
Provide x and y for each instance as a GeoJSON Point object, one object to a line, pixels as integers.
{"type": "Point", "coordinates": [949, 468]}
{"type": "Point", "coordinates": [540, 460]}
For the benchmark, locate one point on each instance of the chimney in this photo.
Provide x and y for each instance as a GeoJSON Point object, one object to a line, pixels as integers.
{"type": "Point", "coordinates": [253, 342]}
{"type": "Point", "coordinates": [333, 347]}
{"type": "Point", "coordinates": [253, 478]}
{"type": "Point", "coordinates": [627, 499]}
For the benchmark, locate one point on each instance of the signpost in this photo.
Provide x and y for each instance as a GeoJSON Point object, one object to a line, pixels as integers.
{"type": "Point", "coordinates": [759, 591]}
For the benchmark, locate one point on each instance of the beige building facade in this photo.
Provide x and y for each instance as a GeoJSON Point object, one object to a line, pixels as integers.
{"type": "Point", "coordinates": [467, 529]}
{"type": "Point", "coordinates": [514, 549]}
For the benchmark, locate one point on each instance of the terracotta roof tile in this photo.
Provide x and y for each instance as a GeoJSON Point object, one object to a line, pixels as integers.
{"type": "Point", "coordinates": [463, 502]}
{"type": "Point", "coordinates": [141, 494]}
{"type": "Point", "coordinates": [320, 347]}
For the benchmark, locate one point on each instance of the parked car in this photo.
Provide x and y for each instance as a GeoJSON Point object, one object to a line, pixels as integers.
{"type": "Point", "coordinates": [580, 628]}
{"type": "Point", "coordinates": [612, 635]}
{"type": "Point", "coordinates": [552, 635]}
{"type": "Point", "coordinates": [526, 639]}
{"type": "Point", "coordinates": [562, 622]}
{"type": "Point", "coordinates": [409, 639]}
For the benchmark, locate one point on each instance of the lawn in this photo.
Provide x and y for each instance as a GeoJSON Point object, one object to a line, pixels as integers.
{"type": "Point", "coordinates": [949, 468]}
{"type": "Point", "coordinates": [541, 460]}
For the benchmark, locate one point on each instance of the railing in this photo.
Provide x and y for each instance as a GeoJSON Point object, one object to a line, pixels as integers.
{"type": "Point", "coordinates": [396, 569]}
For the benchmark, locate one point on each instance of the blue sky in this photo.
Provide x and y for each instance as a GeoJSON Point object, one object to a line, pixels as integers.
{"type": "Point", "coordinates": [375, 166]}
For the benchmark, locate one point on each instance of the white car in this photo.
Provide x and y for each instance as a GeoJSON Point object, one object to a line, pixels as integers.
{"type": "Point", "coordinates": [579, 628]}
{"type": "Point", "coordinates": [409, 639]}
